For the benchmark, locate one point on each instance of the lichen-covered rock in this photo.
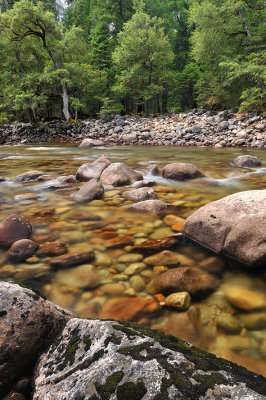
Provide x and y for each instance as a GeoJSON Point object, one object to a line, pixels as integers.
{"type": "Point", "coordinates": [234, 226]}
{"type": "Point", "coordinates": [95, 359]}
{"type": "Point", "coordinates": [14, 228]}
{"type": "Point", "coordinates": [118, 174]}
{"type": "Point", "coordinates": [28, 324]}
{"type": "Point", "coordinates": [181, 171]}
{"type": "Point", "coordinates": [247, 161]}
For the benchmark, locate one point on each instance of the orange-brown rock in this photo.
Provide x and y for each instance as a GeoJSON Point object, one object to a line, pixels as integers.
{"type": "Point", "coordinates": [120, 241]}
{"type": "Point", "coordinates": [129, 309]}
{"type": "Point", "coordinates": [52, 250]}
{"type": "Point", "coordinates": [22, 249]}
{"type": "Point", "coordinates": [70, 260]}
{"type": "Point", "coordinates": [192, 280]}
{"type": "Point", "coordinates": [153, 246]}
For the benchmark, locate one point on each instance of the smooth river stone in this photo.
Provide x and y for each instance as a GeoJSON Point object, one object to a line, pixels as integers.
{"type": "Point", "coordinates": [153, 246]}
{"type": "Point", "coordinates": [192, 280]}
{"type": "Point", "coordinates": [139, 194]}
{"type": "Point", "coordinates": [156, 207]}
{"type": "Point", "coordinates": [52, 250]}
{"type": "Point", "coordinates": [14, 228]}
{"type": "Point", "coordinates": [22, 249]}
{"type": "Point", "coordinates": [70, 260]}
{"type": "Point", "coordinates": [166, 257]}
{"type": "Point", "coordinates": [245, 299]}
{"type": "Point", "coordinates": [180, 301]}
{"type": "Point", "coordinates": [118, 174]}
{"type": "Point", "coordinates": [181, 171]}
{"type": "Point", "coordinates": [84, 276]}
{"type": "Point", "coordinates": [86, 172]}
{"type": "Point", "coordinates": [90, 191]}
{"type": "Point", "coordinates": [28, 176]}
{"type": "Point", "coordinates": [247, 161]}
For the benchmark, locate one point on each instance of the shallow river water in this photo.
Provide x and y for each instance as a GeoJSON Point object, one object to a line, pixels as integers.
{"type": "Point", "coordinates": [105, 288]}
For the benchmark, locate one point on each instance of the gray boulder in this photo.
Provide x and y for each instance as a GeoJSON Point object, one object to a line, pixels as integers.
{"type": "Point", "coordinates": [95, 359]}
{"type": "Point", "coordinates": [181, 171]}
{"type": "Point", "coordinates": [140, 194]}
{"type": "Point", "coordinates": [234, 226]}
{"type": "Point", "coordinates": [86, 172]}
{"type": "Point", "coordinates": [157, 207]}
{"type": "Point", "coordinates": [28, 176]}
{"type": "Point", "coordinates": [28, 324]}
{"type": "Point", "coordinates": [91, 143]}
{"type": "Point", "coordinates": [90, 191]}
{"type": "Point", "coordinates": [247, 161]}
{"type": "Point", "coordinates": [118, 174]}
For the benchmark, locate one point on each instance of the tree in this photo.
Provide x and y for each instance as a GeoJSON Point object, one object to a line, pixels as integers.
{"type": "Point", "coordinates": [229, 44]}
{"type": "Point", "coordinates": [25, 20]}
{"type": "Point", "coordinates": [143, 57]}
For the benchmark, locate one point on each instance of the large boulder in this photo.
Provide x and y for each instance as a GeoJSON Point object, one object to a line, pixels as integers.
{"type": "Point", "coordinates": [193, 280]}
{"type": "Point", "coordinates": [157, 207]}
{"type": "Point", "coordinates": [234, 226]}
{"type": "Point", "coordinates": [181, 171]}
{"type": "Point", "coordinates": [247, 161]}
{"type": "Point", "coordinates": [28, 324]}
{"type": "Point", "coordinates": [86, 172]}
{"type": "Point", "coordinates": [102, 360]}
{"type": "Point", "coordinates": [14, 228]}
{"type": "Point", "coordinates": [90, 191]}
{"type": "Point", "coordinates": [118, 174]}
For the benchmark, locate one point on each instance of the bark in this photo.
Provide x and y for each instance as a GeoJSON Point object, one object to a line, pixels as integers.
{"type": "Point", "coordinates": [7, 5]}
{"type": "Point", "coordinates": [65, 101]}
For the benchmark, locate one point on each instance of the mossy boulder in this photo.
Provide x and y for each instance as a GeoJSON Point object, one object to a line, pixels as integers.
{"type": "Point", "coordinates": [101, 359]}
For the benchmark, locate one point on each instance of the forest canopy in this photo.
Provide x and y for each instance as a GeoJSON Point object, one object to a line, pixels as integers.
{"type": "Point", "coordinates": [130, 56]}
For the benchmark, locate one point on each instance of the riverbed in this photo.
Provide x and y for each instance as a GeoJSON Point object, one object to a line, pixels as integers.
{"type": "Point", "coordinates": [55, 217]}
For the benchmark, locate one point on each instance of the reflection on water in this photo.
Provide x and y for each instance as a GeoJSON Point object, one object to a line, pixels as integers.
{"type": "Point", "coordinates": [108, 287]}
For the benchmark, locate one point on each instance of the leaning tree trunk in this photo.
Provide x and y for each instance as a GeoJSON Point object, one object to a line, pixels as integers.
{"type": "Point", "coordinates": [65, 102]}
{"type": "Point", "coordinates": [7, 5]}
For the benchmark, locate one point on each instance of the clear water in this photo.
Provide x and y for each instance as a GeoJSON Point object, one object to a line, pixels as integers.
{"type": "Point", "coordinates": [55, 214]}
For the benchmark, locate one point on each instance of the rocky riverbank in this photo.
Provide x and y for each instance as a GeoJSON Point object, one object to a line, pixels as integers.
{"type": "Point", "coordinates": [47, 353]}
{"type": "Point", "coordinates": [222, 129]}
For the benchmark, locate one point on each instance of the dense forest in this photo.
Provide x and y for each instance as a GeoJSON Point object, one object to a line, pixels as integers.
{"type": "Point", "coordinates": [130, 56]}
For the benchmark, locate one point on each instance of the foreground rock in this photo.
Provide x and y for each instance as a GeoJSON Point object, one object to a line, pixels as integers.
{"type": "Point", "coordinates": [247, 161]}
{"type": "Point", "coordinates": [14, 228]}
{"type": "Point", "coordinates": [90, 191]}
{"type": "Point", "coordinates": [233, 226]}
{"type": "Point", "coordinates": [181, 171]}
{"type": "Point", "coordinates": [118, 174]}
{"type": "Point", "coordinates": [28, 324]}
{"type": "Point", "coordinates": [95, 359]}
{"type": "Point", "coordinates": [157, 207]}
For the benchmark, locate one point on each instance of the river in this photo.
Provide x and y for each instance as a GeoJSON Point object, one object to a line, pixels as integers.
{"type": "Point", "coordinates": [55, 217]}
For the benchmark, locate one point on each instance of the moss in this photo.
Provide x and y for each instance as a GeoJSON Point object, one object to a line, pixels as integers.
{"type": "Point", "coordinates": [201, 359]}
{"type": "Point", "coordinates": [131, 391]}
{"type": "Point", "coordinates": [134, 351]}
{"type": "Point", "coordinates": [209, 381]}
{"type": "Point", "coordinates": [86, 340]}
{"type": "Point", "coordinates": [69, 355]}
{"type": "Point", "coordinates": [127, 330]}
{"type": "Point", "coordinates": [109, 387]}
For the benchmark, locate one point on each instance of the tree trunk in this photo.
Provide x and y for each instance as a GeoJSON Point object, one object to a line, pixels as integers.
{"type": "Point", "coordinates": [76, 114]}
{"type": "Point", "coordinates": [145, 108]}
{"type": "Point", "coordinates": [7, 5]}
{"type": "Point", "coordinates": [164, 101]}
{"type": "Point", "coordinates": [65, 102]}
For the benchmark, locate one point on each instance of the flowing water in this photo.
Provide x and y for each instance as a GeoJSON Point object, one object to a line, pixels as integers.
{"type": "Point", "coordinates": [104, 289]}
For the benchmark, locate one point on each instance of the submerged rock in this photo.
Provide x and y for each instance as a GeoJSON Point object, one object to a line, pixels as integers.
{"type": "Point", "coordinates": [95, 359]}
{"type": "Point", "coordinates": [154, 246]}
{"type": "Point", "coordinates": [28, 176]}
{"type": "Point", "coordinates": [140, 194]}
{"type": "Point", "coordinates": [181, 171]}
{"type": "Point", "coordinates": [28, 324]}
{"type": "Point", "coordinates": [157, 207]}
{"type": "Point", "coordinates": [247, 161]}
{"type": "Point", "coordinates": [22, 249]}
{"type": "Point", "coordinates": [196, 282]}
{"type": "Point", "coordinates": [118, 174]}
{"type": "Point", "coordinates": [233, 226]}
{"type": "Point", "coordinates": [72, 259]}
{"type": "Point", "coordinates": [14, 228]}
